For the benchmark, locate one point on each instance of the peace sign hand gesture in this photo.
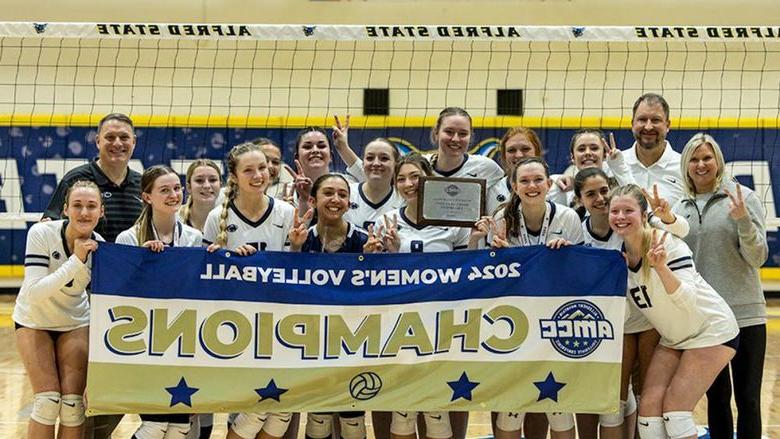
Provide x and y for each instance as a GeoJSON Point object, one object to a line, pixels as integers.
{"type": "Point", "coordinates": [611, 150]}
{"type": "Point", "coordinates": [341, 132]}
{"type": "Point", "coordinates": [659, 206]}
{"type": "Point", "coordinates": [656, 255]}
{"type": "Point", "coordinates": [737, 208]}
{"type": "Point", "coordinates": [374, 243]}
{"type": "Point", "coordinates": [300, 230]}
{"type": "Point", "coordinates": [302, 183]}
{"type": "Point", "coordinates": [390, 238]}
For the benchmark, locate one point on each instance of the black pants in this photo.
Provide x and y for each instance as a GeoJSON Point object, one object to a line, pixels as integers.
{"type": "Point", "coordinates": [747, 367]}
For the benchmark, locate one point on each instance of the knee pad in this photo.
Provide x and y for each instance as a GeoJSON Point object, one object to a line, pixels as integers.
{"type": "Point", "coordinates": [613, 419]}
{"type": "Point", "coordinates": [205, 419]}
{"type": "Point", "coordinates": [232, 419]}
{"type": "Point", "coordinates": [276, 423]}
{"type": "Point", "coordinates": [177, 431]}
{"type": "Point", "coordinates": [319, 425]}
{"type": "Point", "coordinates": [72, 411]}
{"type": "Point", "coordinates": [403, 423]}
{"type": "Point", "coordinates": [353, 427]}
{"type": "Point", "coordinates": [510, 421]}
{"type": "Point", "coordinates": [247, 425]}
{"type": "Point", "coordinates": [46, 407]}
{"type": "Point", "coordinates": [151, 430]}
{"type": "Point", "coordinates": [560, 421]}
{"type": "Point", "coordinates": [437, 425]}
{"type": "Point", "coordinates": [651, 427]}
{"type": "Point", "coordinates": [194, 427]}
{"type": "Point", "coordinates": [679, 424]}
{"type": "Point", "coordinates": [632, 401]}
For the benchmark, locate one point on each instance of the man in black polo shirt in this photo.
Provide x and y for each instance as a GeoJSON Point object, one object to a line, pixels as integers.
{"type": "Point", "coordinates": [120, 185]}
{"type": "Point", "coordinates": [121, 190]}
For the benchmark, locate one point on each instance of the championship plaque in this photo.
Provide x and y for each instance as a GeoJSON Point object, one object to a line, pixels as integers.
{"type": "Point", "coordinates": [446, 201]}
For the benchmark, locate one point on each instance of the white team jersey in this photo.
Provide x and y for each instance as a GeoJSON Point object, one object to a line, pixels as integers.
{"type": "Point", "coordinates": [564, 223]}
{"type": "Point", "coordinates": [473, 166]}
{"type": "Point", "coordinates": [694, 316]}
{"type": "Point", "coordinates": [53, 294]}
{"type": "Point", "coordinates": [184, 236]}
{"type": "Point", "coordinates": [362, 212]}
{"type": "Point", "coordinates": [665, 173]}
{"type": "Point", "coordinates": [427, 239]}
{"type": "Point", "coordinates": [267, 233]}
{"type": "Point", "coordinates": [635, 322]}
{"type": "Point", "coordinates": [612, 241]}
{"type": "Point", "coordinates": [614, 168]}
{"type": "Point", "coordinates": [499, 194]}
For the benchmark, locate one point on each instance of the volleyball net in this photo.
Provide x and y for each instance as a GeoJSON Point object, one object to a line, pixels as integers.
{"type": "Point", "coordinates": [194, 90]}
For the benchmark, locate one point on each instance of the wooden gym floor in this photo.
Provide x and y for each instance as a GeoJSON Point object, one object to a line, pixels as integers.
{"type": "Point", "coordinates": [15, 393]}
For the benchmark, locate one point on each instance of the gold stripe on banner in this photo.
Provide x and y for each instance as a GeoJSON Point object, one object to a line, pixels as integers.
{"type": "Point", "coordinates": [441, 385]}
{"type": "Point", "coordinates": [221, 121]}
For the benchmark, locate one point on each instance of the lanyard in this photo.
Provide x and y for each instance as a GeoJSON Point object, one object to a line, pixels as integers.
{"type": "Point", "coordinates": [525, 240]}
{"type": "Point", "coordinates": [176, 233]}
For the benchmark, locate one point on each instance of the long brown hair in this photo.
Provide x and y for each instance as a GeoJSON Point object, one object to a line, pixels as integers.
{"type": "Point", "coordinates": [512, 207]}
{"type": "Point", "coordinates": [144, 228]}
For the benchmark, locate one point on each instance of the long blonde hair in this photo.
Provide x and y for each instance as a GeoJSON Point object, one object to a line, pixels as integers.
{"type": "Point", "coordinates": [635, 192]}
{"type": "Point", "coordinates": [186, 209]}
{"type": "Point", "coordinates": [144, 228]}
{"type": "Point", "coordinates": [231, 190]}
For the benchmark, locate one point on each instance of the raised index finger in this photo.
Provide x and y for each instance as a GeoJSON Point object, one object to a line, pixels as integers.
{"type": "Point", "coordinates": [338, 122]}
{"type": "Point", "coordinates": [655, 193]}
{"type": "Point", "coordinates": [647, 196]}
{"type": "Point", "coordinates": [731, 196]}
{"type": "Point", "coordinates": [299, 167]}
{"type": "Point", "coordinates": [296, 219]}
{"type": "Point", "coordinates": [605, 145]}
{"type": "Point", "coordinates": [309, 214]}
{"type": "Point", "coordinates": [739, 192]}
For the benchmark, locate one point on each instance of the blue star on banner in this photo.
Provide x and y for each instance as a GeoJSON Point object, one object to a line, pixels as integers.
{"type": "Point", "coordinates": [462, 388]}
{"type": "Point", "coordinates": [549, 388]}
{"type": "Point", "coordinates": [270, 391]}
{"type": "Point", "coordinates": [182, 393]}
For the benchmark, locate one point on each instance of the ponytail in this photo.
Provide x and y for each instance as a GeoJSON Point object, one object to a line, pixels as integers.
{"type": "Point", "coordinates": [230, 195]}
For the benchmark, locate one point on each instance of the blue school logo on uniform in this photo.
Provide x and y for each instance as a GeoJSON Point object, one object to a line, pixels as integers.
{"type": "Point", "coordinates": [577, 328]}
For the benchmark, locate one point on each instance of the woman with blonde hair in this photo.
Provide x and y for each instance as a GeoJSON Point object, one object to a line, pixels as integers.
{"type": "Point", "coordinates": [699, 333]}
{"type": "Point", "coordinates": [51, 316]}
{"type": "Point", "coordinates": [203, 182]}
{"type": "Point", "coordinates": [729, 245]}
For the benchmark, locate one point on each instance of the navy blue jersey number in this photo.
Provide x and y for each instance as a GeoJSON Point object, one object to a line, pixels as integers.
{"type": "Point", "coordinates": [640, 297]}
{"type": "Point", "coordinates": [260, 246]}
